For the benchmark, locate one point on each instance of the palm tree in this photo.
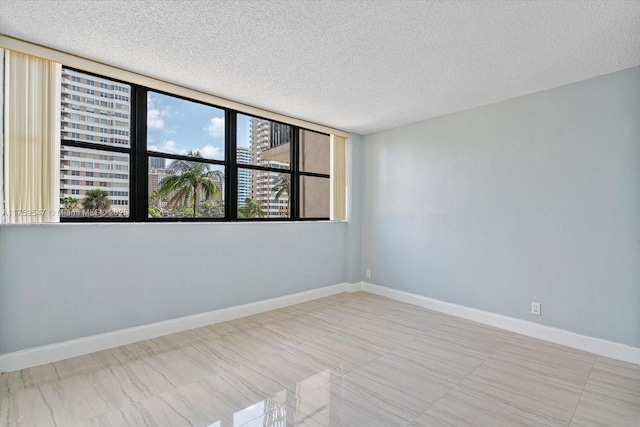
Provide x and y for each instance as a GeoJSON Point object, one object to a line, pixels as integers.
{"type": "Point", "coordinates": [251, 209]}
{"type": "Point", "coordinates": [189, 182]}
{"type": "Point", "coordinates": [70, 203]}
{"type": "Point", "coordinates": [282, 186]}
{"type": "Point", "coordinates": [96, 199]}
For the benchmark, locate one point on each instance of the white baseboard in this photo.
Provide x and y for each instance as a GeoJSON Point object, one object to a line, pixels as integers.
{"type": "Point", "coordinates": [597, 346]}
{"type": "Point", "coordinates": [78, 347]}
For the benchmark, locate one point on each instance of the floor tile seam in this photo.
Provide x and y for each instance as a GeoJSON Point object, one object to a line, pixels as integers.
{"type": "Point", "coordinates": [495, 400]}
{"type": "Point", "coordinates": [418, 333]}
{"type": "Point", "coordinates": [510, 335]}
{"type": "Point", "coordinates": [356, 389]}
{"type": "Point", "coordinates": [64, 378]}
{"type": "Point", "coordinates": [578, 384]}
{"type": "Point", "coordinates": [217, 360]}
{"type": "Point", "coordinates": [436, 402]}
{"type": "Point", "coordinates": [258, 372]}
{"type": "Point", "coordinates": [613, 378]}
{"type": "Point", "coordinates": [483, 361]}
{"type": "Point", "coordinates": [595, 396]}
{"type": "Point", "coordinates": [48, 405]}
{"type": "Point", "coordinates": [394, 346]}
{"type": "Point", "coordinates": [632, 390]}
{"type": "Point", "coordinates": [541, 361]}
{"type": "Point", "coordinates": [575, 409]}
{"type": "Point", "coordinates": [509, 390]}
{"type": "Point", "coordinates": [429, 359]}
{"type": "Point", "coordinates": [146, 367]}
{"type": "Point", "coordinates": [621, 405]}
{"type": "Point", "coordinates": [288, 402]}
{"type": "Point", "coordinates": [423, 412]}
{"type": "Point", "coordinates": [389, 385]}
{"type": "Point", "coordinates": [167, 405]}
{"type": "Point", "coordinates": [146, 381]}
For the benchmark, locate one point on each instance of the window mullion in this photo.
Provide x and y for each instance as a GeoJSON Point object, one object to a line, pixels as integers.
{"type": "Point", "coordinates": [139, 155]}
{"type": "Point", "coordinates": [295, 173]}
{"type": "Point", "coordinates": [231, 175]}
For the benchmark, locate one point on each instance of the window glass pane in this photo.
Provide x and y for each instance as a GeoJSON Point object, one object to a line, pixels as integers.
{"type": "Point", "coordinates": [183, 189]}
{"type": "Point", "coordinates": [93, 183]}
{"type": "Point", "coordinates": [262, 142]}
{"type": "Point", "coordinates": [314, 197]}
{"type": "Point", "coordinates": [95, 109]}
{"type": "Point", "coordinates": [268, 194]}
{"type": "Point", "coordinates": [314, 152]}
{"type": "Point", "coordinates": [177, 126]}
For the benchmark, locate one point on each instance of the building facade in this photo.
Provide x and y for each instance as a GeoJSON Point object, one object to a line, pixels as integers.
{"type": "Point", "coordinates": [267, 136]}
{"type": "Point", "coordinates": [94, 110]}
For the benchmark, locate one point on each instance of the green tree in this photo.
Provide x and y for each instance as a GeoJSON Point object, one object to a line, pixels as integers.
{"type": "Point", "coordinates": [251, 209]}
{"type": "Point", "coordinates": [154, 212]}
{"type": "Point", "coordinates": [96, 199]}
{"type": "Point", "coordinates": [282, 187]}
{"type": "Point", "coordinates": [211, 209]}
{"type": "Point", "coordinates": [184, 211]}
{"type": "Point", "coordinates": [70, 203]}
{"type": "Point", "coordinates": [189, 182]}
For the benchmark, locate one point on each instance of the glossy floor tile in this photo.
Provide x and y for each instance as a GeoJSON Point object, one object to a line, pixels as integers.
{"type": "Point", "coordinates": [345, 360]}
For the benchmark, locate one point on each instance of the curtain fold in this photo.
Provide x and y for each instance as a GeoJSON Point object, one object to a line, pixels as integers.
{"type": "Point", "coordinates": [31, 139]}
{"type": "Point", "coordinates": [338, 178]}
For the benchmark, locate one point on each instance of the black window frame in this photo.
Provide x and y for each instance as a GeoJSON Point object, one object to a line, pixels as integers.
{"type": "Point", "coordinates": [112, 149]}
{"type": "Point", "coordinates": [302, 173]}
{"type": "Point", "coordinates": [139, 163]}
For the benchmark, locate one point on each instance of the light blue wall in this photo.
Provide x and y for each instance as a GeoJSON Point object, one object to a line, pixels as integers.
{"type": "Point", "coordinates": [65, 281]}
{"type": "Point", "coordinates": [532, 199]}
{"type": "Point", "coordinates": [354, 207]}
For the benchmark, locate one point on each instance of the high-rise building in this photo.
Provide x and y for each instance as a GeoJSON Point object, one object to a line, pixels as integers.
{"type": "Point", "coordinates": [157, 163]}
{"type": "Point", "coordinates": [275, 138]}
{"type": "Point", "coordinates": [244, 175]}
{"type": "Point", "coordinates": [94, 110]}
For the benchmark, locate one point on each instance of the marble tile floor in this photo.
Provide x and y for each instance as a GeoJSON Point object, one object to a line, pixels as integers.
{"type": "Point", "coordinates": [345, 360]}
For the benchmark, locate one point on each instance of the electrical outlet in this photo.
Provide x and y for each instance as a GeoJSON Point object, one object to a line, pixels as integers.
{"type": "Point", "coordinates": [535, 308]}
{"type": "Point", "coordinates": [368, 272]}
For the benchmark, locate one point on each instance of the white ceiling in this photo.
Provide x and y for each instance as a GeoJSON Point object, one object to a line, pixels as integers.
{"type": "Point", "coordinates": [361, 66]}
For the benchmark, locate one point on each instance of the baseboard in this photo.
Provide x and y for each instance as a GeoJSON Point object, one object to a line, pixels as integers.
{"type": "Point", "coordinates": [597, 346]}
{"type": "Point", "coordinates": [354, 287]}
{"type": "Point", "coordinates": [78, 347]}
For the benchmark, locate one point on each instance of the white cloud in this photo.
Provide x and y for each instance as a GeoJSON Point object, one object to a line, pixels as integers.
{"type": "Point", "coordinates": [215, 129]}
{"type": "Point", "coordinates": [167, 147]}
{"type": "Point", "coordinates": [154, 120]}
{"type": "Point", "coordinates": [211, 152]}
{"type": "Point", "coordinates": [170, 147]}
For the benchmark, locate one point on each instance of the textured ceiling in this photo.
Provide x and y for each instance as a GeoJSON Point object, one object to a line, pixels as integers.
{"type": "Point", "coordinates": [359, 66]}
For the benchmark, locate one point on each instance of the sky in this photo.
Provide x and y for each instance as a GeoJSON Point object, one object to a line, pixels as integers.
{"type": "Point", "coordinates": [176, 126]}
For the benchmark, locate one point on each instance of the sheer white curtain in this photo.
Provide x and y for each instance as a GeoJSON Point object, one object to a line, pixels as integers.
{"type": "Point", "coordinates": [31, 139]}
{"type": "Point", "coordinates": [338, 178]}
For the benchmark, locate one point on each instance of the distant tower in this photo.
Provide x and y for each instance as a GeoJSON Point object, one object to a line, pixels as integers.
{"type": "Point", "coordinates": [244, 175]}
{"type": "Point", "coordinates": [157, 163]}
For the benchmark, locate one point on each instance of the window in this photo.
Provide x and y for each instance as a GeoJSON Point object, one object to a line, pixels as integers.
{"type": "Point", "coordinates": [153, 156]}
{"type": "Point", "coordinates": [264, 168]}
{"type": "Point", "coordinates": [186, 151]}
{"type": "Point", "coordinates": [103, 155]}
{"type": "Point", "coordinates": [314, 161]}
